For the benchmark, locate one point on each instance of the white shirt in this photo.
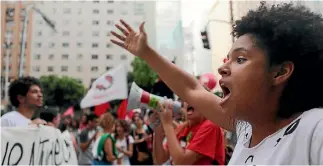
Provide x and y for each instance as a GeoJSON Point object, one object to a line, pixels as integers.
{"type": "Point", "coordinates": [299, 143]}
{"type": "Point", "coordinates": [14, 119]}
{"type": "Point", "coordinates": [123, 145]}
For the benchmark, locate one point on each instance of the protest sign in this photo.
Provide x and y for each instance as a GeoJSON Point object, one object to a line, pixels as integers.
{"type": "Point", "coordinates": [36, 146]}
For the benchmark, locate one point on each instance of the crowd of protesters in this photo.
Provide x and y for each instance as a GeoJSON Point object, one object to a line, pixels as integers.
{"type": "Point", "coordinates": [106, 140]}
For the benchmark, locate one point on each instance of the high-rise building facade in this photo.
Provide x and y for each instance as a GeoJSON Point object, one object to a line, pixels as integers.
{"type": "Point", "coordinates": [13, 14]}
{"type": "Point", "coordinates": [81, 47]}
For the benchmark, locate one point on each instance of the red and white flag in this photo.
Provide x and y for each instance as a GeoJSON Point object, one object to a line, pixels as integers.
{"type": "Point", "coordinates": [110, 86]}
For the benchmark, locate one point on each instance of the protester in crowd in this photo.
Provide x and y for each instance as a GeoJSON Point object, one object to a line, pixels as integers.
{"type": "Point", "coordinates": [199, 143]}
{"type": "Point", "coordinates": [53, 118]}
{"type": "Point", "coordinates": [87, 138]}
{"type": "Point", "coordinates": [278, 50]}
{"type": "Point", "coordinates": [152, 122]}
{"type": "Point", "coordinates": [74, 126]}
{"type": "Point", "coordinates": [124, 142]}
{"type": "Point", "coordinates": [83, 122]}
{"type": "Point", "coordinates": [26, 96]}
{"type": "Point", "coordinates": [137, 113]}
{"type": "Point", "coordinates": [141, 153]}
{"type": "Point", "coordinates": [104, 150]}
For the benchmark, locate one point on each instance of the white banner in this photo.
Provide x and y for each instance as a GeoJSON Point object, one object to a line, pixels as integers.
{"type": "Point", "coordinates": [110, 86]}
{"type": "Point", "coordinates": [36, 146]}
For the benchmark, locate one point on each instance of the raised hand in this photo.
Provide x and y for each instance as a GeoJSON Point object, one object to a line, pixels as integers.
{"type": "Point", "coordinates": [134, 42]}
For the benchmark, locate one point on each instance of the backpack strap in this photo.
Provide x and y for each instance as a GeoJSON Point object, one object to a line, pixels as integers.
{"type": "Point", "coordinates": [100, 150]}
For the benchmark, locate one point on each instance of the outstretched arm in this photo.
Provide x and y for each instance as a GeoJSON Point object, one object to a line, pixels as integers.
{"type": "Point", "coordinates": [188, 88]}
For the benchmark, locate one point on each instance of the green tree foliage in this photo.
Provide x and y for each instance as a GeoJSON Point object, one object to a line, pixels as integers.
{"type": "Point", "coordinates": [143, 75]}
{"type": "Point", "coordinates": [61, 91]}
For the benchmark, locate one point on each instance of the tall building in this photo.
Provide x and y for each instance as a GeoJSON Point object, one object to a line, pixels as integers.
{"type": "Point", "coordinates": [13, 14]}
{"type": "Point", "coordinates": [81, 48]}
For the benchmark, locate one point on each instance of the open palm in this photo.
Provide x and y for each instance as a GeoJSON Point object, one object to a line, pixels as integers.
{"type": "Point", "coordinates": [134, 42]}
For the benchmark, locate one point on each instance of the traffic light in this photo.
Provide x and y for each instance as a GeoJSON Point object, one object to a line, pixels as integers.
{"type": "Point", "coordinates": [205, 40]}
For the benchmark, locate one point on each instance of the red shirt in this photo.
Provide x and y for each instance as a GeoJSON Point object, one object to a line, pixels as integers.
{"type": "Point", "coordinates": [206, 139]}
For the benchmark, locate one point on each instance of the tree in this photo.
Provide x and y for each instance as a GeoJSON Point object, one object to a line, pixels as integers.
{"type": "Point", "coordinates": [143, 75]}
{"type": "Point", "coordinates": [61, 91]}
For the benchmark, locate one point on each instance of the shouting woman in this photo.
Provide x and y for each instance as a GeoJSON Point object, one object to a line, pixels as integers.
{"type": "Point", "coordinates": [272, 84]}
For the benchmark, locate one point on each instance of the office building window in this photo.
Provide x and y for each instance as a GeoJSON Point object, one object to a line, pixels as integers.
{"type": "Point", "coordinates": [79, 23]}
{"type": "Point", "coordinates": [109, 22]}
{"type": "Point", "coordinates": [95, 33]}
{"type": "Point", "coordinates": [65, 44]}
{"type": "Point", "coordinates": [51, 45]}
{"type": "Point", "coordinates": [109, 45]}
{"type": "Point", "coordinates": [94, 56]}
{"type": "Point", "coordinates": [64, 68]}
{"type": "Point", "coordinates": [66, 33]}
{"type": "Point", "coordinates": [108, 68]}
{"type": "Point", "coordinates": [39, 33]}
{"type": "Point", "coordinates": [79, 56]}
{"type": "Point", "coordinates": [79, 44]}
{"type": "Point", "coordinates": [51, 56]}
{"type": "Point", "coordinates": [67, 11]}
{"type": "Point", "coordinates": [94, 68]}
{"type": "Point", "coordinates": [110, 11]}
{"type": "Point", "coordinates": [95, 11]}
{"type": "Point", "coordinates": [37, 57]}
{"type": "Point", "coordinates": [79, 68]}
{"type": "Point", "coordinates": [95, 45]}
{"type": "Point", "coordinates": [110, 1]}
{"type": "Point", "coordinates": [65, 56]}
{"type": "Point", "coordinates": [96, 1]}
{"type": "Point", "coordinates": [36, 68]}
{"type": "Point", "coordinates": [50, 68]}
{"type": "Point", "coordinates": [123, 57]}
{"type": "Point", "coordinates": [38, 45]}
{"type": "Point", "coordinates": [109, 56]}
{"type": "Point", "coordinates": [95, 22]}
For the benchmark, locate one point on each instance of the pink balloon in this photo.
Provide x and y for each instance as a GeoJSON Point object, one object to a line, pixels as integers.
{"type": "Point", "coordinates": [208, 80]}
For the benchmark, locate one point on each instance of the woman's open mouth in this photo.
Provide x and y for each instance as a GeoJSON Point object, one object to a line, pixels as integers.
{"type": "Point", "coordinates": [226, 93]}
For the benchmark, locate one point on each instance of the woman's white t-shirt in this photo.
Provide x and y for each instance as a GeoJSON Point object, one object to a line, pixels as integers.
{"type": "Point", "coordinates": [299, 143]}
{"type": "Point", "coordinates": [123, 145]}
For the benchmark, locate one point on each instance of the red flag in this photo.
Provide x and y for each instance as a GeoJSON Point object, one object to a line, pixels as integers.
{"type": "Point", "coordinates": [101, 109]}
{"type": "Point", "coordinates": [122, 110]}
{"type": "Point", "coordinates": [69, 112]}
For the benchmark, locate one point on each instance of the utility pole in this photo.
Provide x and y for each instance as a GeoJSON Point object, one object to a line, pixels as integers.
{"type": "Point", "coordinates": [7, 46]}
{"type": "Point", "coordinates": [24, 34]}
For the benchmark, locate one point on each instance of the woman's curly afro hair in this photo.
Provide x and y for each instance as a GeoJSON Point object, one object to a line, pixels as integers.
{"type": "Point", "coordinates": [287, 32]}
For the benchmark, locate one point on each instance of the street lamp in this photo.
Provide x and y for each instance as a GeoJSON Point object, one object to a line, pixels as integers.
{"type": "Point", "coordinates": [24, 33]}
{"type": "Point", "coordinates": [7, 46]}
